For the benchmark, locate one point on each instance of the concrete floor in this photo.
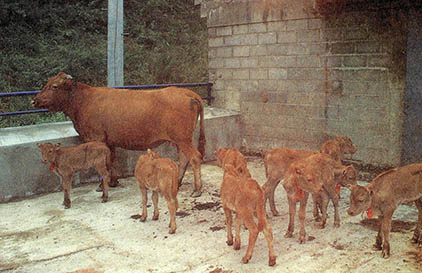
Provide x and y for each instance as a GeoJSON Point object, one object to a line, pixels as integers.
{"type": "Point", "coordinates": [39, 235]}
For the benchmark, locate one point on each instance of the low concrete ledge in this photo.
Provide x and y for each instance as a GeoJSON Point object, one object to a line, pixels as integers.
{"type": "Point", "coordinates": [23, 174]}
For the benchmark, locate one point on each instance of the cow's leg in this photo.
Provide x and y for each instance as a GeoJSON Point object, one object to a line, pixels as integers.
{"type": "Point", "coordinates": [195, 160]}
{"type": "Point", "coordinates": [114, 182]}
{"type": "Point", "coordinates": [302, 216]}
{"type": "Point", "coordinates": [183, 165]}
{"type": "Point", "coordinates": [155, 202]}
{"type": "Point", "coordinates": [269, 189]}
{"type": "Point", "coordinates": [292, 214]}
{"type": "Point", "coordinates": [417, 236]}
{"type": "Point", "coordinates": [268, 233]}
{"type": "Point", "coordinates": [171, 203]}
{"type": "Point", "coordinates": [237, 224]}
{"type": "Point", "coordinates": [385, 229]}
{"type": "Point", "coordinates": [229, 221]}
{"type": "Point", "coordinates": [248, 220]}
{"type": "Point", "coordinates": [144, 202]}
{"type": "Point", "coordinates": [67, 185]}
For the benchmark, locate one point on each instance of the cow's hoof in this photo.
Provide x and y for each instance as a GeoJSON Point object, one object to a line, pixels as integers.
{"type": "Point", "coordinates": [377, 247]}
{"type": "Point", "coordinates": [229, 242]}
{"type": "Point", "coordinates": [172, 231]}
{"type": "Point", "coordinates": [336, 225]}
{"type": "Point", "coordinates": [196, 194]}
{"type": "Point", "coordinates": [272, 261]}
{"type": "Point", "coordinates": [302, 239]}
{"type": "Point", "coordinates": [143, 218]}
{"type": "Point", "coordinates": [155, 218]}
{"type": "Point", "coordinates": [236, 245]}
{"type": "Point", "coordinates": [100, 188]}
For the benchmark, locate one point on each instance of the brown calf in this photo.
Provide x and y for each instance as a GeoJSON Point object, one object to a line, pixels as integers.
{"type": "Point", "coordinates": [65, 161]}
{"type": "Point", "coordinates": [383, 195]}
{"type": "Point", "coordinates": [315, 174]}
{"type": "Point", "coordinates": [161, 176]}
{"type": "Point", "coordinates": [234, 158]}
{"type": "Point", "coordinates": [244, 196]}
{"type": "Point", "coordinates": [278, 160]}
{"type": "Point", "coordinates": [337, 147]}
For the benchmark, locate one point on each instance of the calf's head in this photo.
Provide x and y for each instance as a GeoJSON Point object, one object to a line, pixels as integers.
{"type": "Point", "coordinates": [307, 179]}
{"type": "Point", "coordinates": [55, 94]}
{"type": "Point", "coordinates": [360, 199]}
{"type": "Point", "coordinates": [348, 176]}
{"type": "Point", "coordinates": [48, 151]}
{"type": "Point", "coordinates": [347, 144]}
{"type": "Point", "coordinates": [219, 156]}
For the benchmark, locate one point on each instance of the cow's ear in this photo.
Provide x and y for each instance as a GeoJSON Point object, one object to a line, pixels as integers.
{"type": "Point", "coordinates": [148, 151]}
{"type": "Point", "coordinates": [57, 145]}
{"type": "Point", "coordinates": [39, 145]}
{"type": "Point", "coordinates": [298, 171]}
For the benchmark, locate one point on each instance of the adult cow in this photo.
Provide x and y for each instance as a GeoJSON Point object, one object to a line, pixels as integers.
{"type": "Point", "coordinates": [130, 119]}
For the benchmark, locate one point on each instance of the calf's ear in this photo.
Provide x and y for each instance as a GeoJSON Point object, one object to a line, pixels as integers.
{"type": "Point", "coordinates": [298, 171]}
{"type": "Point", "coordinates": [57, 145]}
{"type": "Point", "coordinates": [39, 145]}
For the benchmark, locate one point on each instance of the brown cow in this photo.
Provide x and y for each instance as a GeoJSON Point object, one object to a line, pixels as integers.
{"type": "Point", "coordinates": [337, 147]}
{"type": "Point", "coordinates": [383, 195]}
{"type": "Point", "coordinates": [133, 120]}
{"type": "Point", "coordinates": [315, 174]}
{"type": "Point", "coordinates": [278, 160]}
{"type": "Point", "coordinates": [244, 196]}
{"type": "Point", "coordinates": [232, 157]}
{"type": "Point", "coordinates": [65, 161]}
{"type": "Point", "coordinates": [159, 175]}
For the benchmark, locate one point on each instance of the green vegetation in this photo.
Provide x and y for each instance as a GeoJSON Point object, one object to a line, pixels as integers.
{"type": "Point", "coordinates": [165, 42]}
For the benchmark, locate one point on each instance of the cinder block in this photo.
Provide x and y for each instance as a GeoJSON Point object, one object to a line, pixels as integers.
{"type": "Point", "coordinates": [286, 37]}
{"type": "Point", "coordinates": [224, 52]}
{"type": "Point", "coordinates": [241, 74]}
{"type": "Point", "coordinates": [307, 35]}
{"type": "Point", "coordinates": [261, 27]}
{"type": "Point", "coordinates": [296, 24]}
{"type": "Point", "coordinates": [267, 38]}
{"type": "Point", "coordinates": [354, 61]}
{"type": "Point", "coordinates": [241, 51]}
{"type": "Point", "coordinates": [224, 31]}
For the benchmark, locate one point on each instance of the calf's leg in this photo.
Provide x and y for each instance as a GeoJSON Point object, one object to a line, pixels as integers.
{"type": "Point", "coordinates": [302, 216]}
{"type": "Point", "coordinates": [385, 229]}
{"type": "Point", "coordinates": [237, 224]}
{"type": "Point", "coordinates": [144, 202]}
{"type": "Point", "coordinates": [102, 171]}
{"type": "Point", "coordinates": [247, 218]}
{"type": "Point", "coordinates": [229, 221]}
{"type": "Point", "coordinates": [292, 214]}
{"type": "Point", "coordinates": [269, 189]}
{"type": "Point", "coordinates": [379, 238]}
{"type": "Point", "coordinates": [67, 185]}
{"type": "Point", "coordinates": [268, 233]}
{"type": "Point", "coordinates": [172, 205]}
{"type": "Point", "coordinates": [155, 202]}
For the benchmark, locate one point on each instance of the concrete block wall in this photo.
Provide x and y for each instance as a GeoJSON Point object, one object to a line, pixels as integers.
{"type": "Point", "coordinates": [298, 77]}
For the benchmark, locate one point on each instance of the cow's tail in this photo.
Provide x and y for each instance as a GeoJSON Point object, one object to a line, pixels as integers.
{"type": "Point", "coordinates": [201, 140]}
{"type": "Point", "coordinates": [260, 209]}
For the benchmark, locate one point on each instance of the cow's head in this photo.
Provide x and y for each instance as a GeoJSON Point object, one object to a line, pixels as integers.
{"type": "Point", "coordinates": [219, 155]}
{"type": "Point", "coordinates": [347, 144]}
{"type": "Point", "coordinates": [55, 94]}
{"type": "Point", "coordinates": [360, 199]}
{"type": "Point", "coordinates": [307, 178]}
{"type": "Point", "coordinates": [348, 176]}
{"type": "Point", "coordinates": [48, 151]}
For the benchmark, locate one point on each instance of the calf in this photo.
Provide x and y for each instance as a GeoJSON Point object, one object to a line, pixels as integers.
{"type": "Point", "coordinates": [65, 161]}
{"type": "Point", "coordinates": [337, 147]}
{"type": "Point", "coordinates": [244, 196]}
{"type": "Point", "coordinates": [383, 195]}
{"type": "Point", "coordinates": [161, 176]}
{"type": "Point", "coordinates": [278, 160]}
{"type": "Point", "coordinates": [315, 174]}
{"type": "Point", "coordinates": [234, 158]}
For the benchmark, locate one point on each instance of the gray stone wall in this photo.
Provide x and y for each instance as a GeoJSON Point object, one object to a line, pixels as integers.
{"type": "Point", "coordinates": [298, 76]}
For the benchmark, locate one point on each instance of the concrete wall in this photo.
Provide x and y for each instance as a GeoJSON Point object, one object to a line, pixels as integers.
{"type": "Point", "coordinates": [299, 72]}
{"type": "Point", "coordinates": [23, 174]}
